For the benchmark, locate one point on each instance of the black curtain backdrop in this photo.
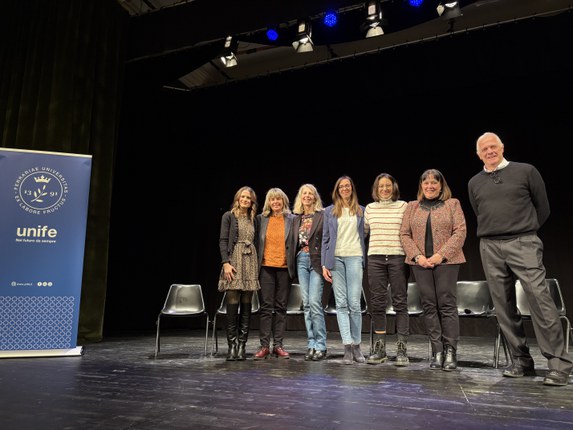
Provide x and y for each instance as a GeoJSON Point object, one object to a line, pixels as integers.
{"type": "Point", "coordinates": [61, 65]}
{"type": "Point", "coordinates": [182, 156]}
{"type": "Point", "coordinates": [401, 111]}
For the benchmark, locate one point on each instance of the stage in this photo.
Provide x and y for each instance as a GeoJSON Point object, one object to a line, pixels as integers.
{"type": "Point", "coordinates": [118, 384]}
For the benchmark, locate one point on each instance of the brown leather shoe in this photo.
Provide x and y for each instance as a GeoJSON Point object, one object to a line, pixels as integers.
{"type": "Point", "coordinates": [279, 352]}
{"type": "Point", "coordinates": [262, 353]}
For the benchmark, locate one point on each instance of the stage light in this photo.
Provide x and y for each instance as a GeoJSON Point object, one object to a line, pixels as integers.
{"type": "Point", "coordinates": [373, 19]}
{"type": "Point", "coordinates": [449, 10]}
{"type": "Point", "coordinates": [415, 3]}
{"type": "Point", "coordinates": [228, 57]}
{"type": "Point", "coordinates": [330, 19]}
{"type": "Point", "coordinates": [272, 34]}
{"type": "Point", "coordinates": [303, 41]}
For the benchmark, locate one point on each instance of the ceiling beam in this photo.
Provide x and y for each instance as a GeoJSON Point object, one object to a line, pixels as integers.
{"type": "Point", "coordinates": [185, 25]}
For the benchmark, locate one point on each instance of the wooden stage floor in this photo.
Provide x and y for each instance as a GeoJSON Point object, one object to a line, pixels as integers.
{"type": "Point", "coordinates": [117, 384]}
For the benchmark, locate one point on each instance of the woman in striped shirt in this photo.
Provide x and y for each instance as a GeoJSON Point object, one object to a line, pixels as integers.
{"type": "Point", "coordinates": [386, 267]}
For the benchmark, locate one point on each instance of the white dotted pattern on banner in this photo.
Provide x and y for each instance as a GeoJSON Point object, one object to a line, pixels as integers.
{"type": "Point", "coordinates": [36, 323]}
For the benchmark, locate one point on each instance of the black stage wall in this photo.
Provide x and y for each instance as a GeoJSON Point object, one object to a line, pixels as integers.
{"type": "Point", "coordinates": [399, 111]}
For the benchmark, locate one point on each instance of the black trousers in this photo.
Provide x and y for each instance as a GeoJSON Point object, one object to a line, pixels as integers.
{"type": "Point", "coordinates": [275, 287]}
{"type": "Point", "coordinates": [440, 304]}
{"type": "Point", "coordinates": [385, 271]}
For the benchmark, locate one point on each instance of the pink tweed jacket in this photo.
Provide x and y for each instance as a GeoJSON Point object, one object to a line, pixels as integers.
{"type": "Point", "coordinates": [448, 230]}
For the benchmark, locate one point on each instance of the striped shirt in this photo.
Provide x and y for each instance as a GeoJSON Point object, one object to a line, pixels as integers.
{"type": "Point", "coordinates": [383, 219]}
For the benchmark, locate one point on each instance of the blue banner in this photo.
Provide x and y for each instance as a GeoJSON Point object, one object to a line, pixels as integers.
{"type": "Point", "coordinates": [43, 216]}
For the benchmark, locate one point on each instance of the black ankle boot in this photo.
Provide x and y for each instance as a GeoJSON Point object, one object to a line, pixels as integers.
{"type": "Point", "coordinates": [450, 361]}
{"type": "Point", "coordinates": [437, 360]}
{"type": "Point", "coordinates": [379, 352]}
{"type": "Point", "coordinates": [402, 351]}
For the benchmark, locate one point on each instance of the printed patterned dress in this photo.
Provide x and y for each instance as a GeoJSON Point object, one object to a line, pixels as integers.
{"type": "Point", "coordinates": [244, 260]}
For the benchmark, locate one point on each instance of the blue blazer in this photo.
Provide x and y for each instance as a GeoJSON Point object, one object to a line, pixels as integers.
{"type": "Point", "coordinates": [263, 224]}
{"type": "Point", "coordinates": [330, 234]}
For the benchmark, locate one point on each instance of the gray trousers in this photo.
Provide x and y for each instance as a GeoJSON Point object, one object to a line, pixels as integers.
{"type": "Point", "coordinates": [505, 261]}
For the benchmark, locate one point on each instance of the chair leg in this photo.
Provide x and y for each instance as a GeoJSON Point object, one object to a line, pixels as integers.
{"type": "Point", "coordinates": [157, 336]}
{"type": "Point", "coordinates": [206, 335]}
{"type": "Point", "coordinates": [568, 331]}
{"type": "Point", "coordinates": [214, 341]}
{"type": "Point", "coordinates": [499, 343]}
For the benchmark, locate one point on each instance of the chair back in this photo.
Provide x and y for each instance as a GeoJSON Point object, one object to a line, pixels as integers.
{"type": "Point", "coordinates": [184, 299]}
{"type": "Point", "coordinates": [474, 299]}
{"type": "Point", "coordinates": [554, 289]}
{"type": "Point", "coordinates": [294, 304]}
{"type": "Point", "coordinates": [521, 300]}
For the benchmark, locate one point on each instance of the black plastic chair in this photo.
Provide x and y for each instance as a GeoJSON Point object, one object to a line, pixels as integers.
{"type": "Point", "coordinates": [294, 304]}
{"type": "Point", "coordinates": [183, 300]}
{"type": "Point", "coordinates": [474, 301]}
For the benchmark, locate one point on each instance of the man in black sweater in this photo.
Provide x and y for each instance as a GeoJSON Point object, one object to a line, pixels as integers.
{"type": "Point", "coordinates": [510, 202]}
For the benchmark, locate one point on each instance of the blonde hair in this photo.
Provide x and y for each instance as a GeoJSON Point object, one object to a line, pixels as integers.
{"type": "Point", "coordinates": [445, 193]}
{"type": "Point", "coordinates": [236, 208]}
{"type": "Point", "coordinates": [298, 207]}
{"type": "Point", "coordinates": [271, 194]}
{"type": "Point", "coordinates": [338, 202]}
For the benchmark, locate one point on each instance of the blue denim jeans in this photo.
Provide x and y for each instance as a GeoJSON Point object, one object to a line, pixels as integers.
{"type": "Point", "coordinates": [347, 286]}
{"type": "Point", "coordinates": [311, 286]}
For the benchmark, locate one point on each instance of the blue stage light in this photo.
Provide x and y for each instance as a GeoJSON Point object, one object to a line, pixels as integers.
{"type": "Point", "coordinates": [272, 34]}
{"type": "Point", "coordinates": [415, 3]}
{"type": "Point", "coordinates": [330, 19]}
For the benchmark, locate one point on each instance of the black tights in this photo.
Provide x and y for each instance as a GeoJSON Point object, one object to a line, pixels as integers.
{"type": "Point", "coordinates": [236, 296]}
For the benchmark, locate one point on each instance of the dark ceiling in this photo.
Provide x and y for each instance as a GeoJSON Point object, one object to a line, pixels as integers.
{"type": "Point", "coordinates": [176, 44]}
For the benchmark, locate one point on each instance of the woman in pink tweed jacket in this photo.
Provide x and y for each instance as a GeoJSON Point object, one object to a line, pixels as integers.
{"type": "Point", "coordinates": [432, 233]}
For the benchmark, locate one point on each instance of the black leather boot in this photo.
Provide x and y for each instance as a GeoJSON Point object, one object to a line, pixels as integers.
{"type": "Point", "coordinates": [244, 322]}
{"type": "Point", "coordinates": [379, 352]}
{"type": "Point", "coordinates": [450, 361]}
{"type": "Point", "coordinates": [437, 360]}
{"type": "Point", "coordinates": [402, 351]}
{"type": "Point", "coordinates": [232, 331]}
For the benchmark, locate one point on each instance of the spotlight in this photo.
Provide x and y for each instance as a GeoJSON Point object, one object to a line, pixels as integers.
{"type": "Point", "coordinates": [272, 34]}
{"type": "Point", "coordinates": [303, 41]}
{"type": "Point", "coordinates": [449, 10]}
{"type": "Point", "coordinates": [330, 19]}
{"type": "Point", "coordinates": [415, 3]}
{"type": "Point", "coordinates": [229, 58]}
{"type": "Point", "coordinates": [373, 19]}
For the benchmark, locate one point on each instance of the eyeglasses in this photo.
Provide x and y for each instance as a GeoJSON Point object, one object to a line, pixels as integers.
{"type": "Point", "coordinates": [343, 186]}
{"type": "Point", "coordinates": [495, 177]}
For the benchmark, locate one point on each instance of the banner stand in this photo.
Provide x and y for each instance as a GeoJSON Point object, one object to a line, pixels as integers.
{"type": "Point", "coordinates": [43, 207]}
{"type": "Point", "coordinates": [73, 352]}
